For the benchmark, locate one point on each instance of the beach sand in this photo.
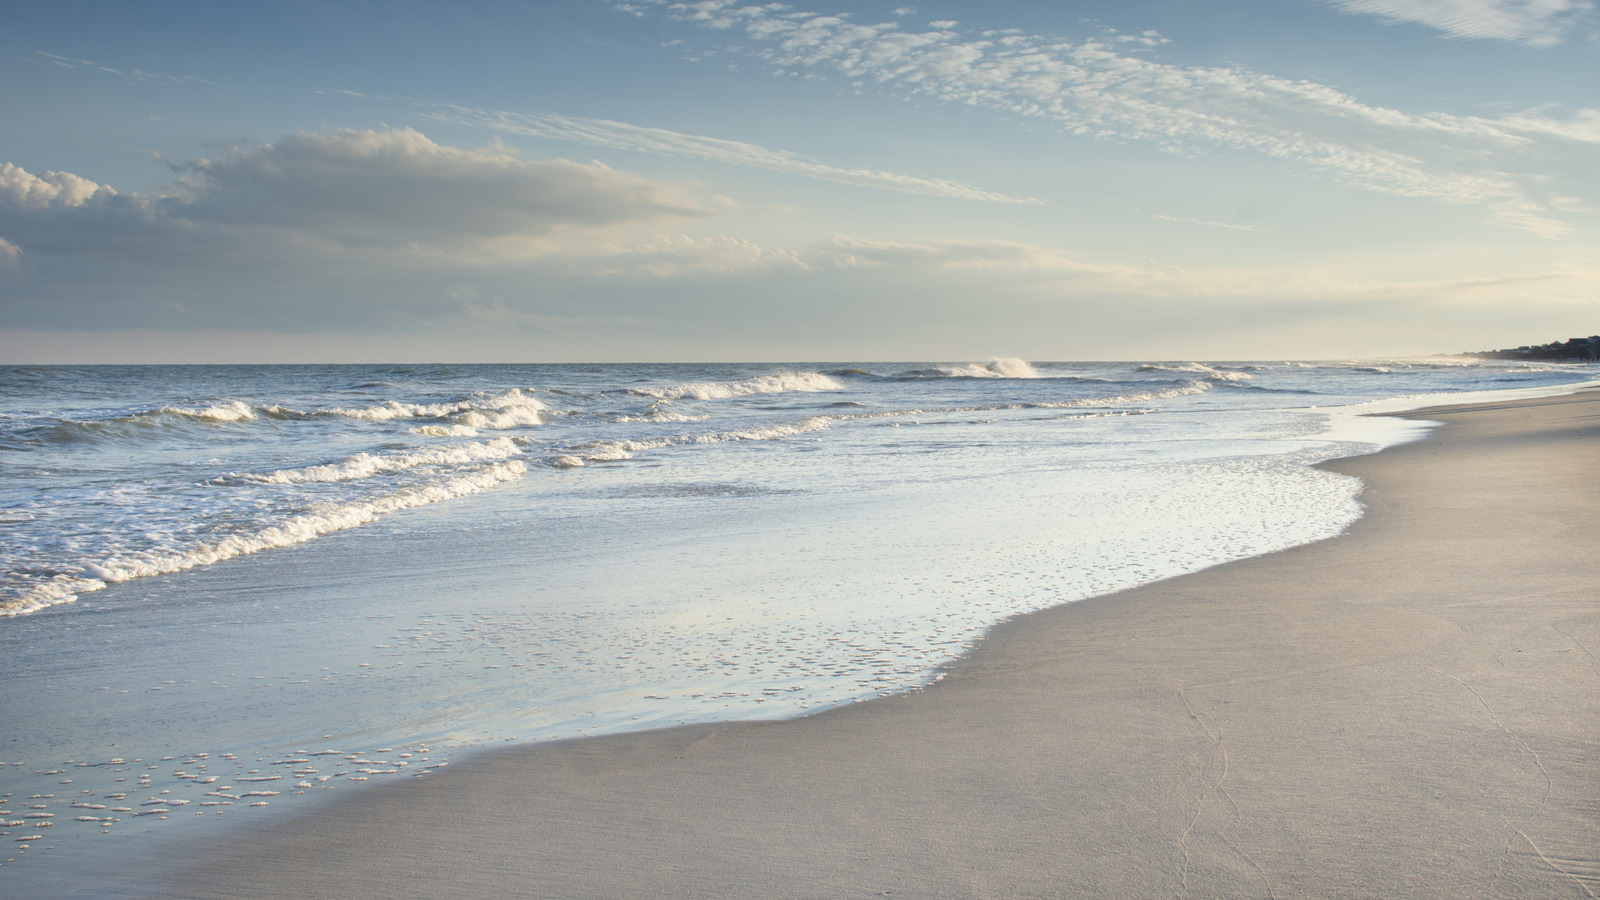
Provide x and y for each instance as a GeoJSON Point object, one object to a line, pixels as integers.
{"type": "Point", "coordinates": [1410, 709]}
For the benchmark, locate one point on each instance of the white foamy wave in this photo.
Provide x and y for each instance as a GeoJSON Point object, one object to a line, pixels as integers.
{"type": "Point", "coordinates": [297, 530]}
{"type": "Point", "coordinates": [999, 367]}
{"type": "Point", "coordinates": [611, 451]}
{"type": "Point", "coordinates": [151, 424]}
{"type": "Point", "coordinates": [512, 409]}
{"type": "Point", "coordinates": [445, 431]}
{"type": "Point", "coordinates": [507, 417]}
{"type": "Point", "coordinates": [232, 411]}
{"type": "Point", "coordinates": [815, 423]}
{"type": "Point", "coordinates": [58, 589]}
{"type": "Point", "coordinates": [724, 390]}
{"type": "Point", "coordinates": [1189, 389]}
{"type": "Point", "coordinates": [1201, 369]}
{"type": "Point", "coordinates": [366, 465]}
{"type": "Point", "coordinates": [661, 416]}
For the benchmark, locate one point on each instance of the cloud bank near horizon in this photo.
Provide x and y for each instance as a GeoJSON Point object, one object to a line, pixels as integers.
{"type": "Point", "coordinates": [344, 191]}
{"type": "Point", "coordinates": [370, 233]}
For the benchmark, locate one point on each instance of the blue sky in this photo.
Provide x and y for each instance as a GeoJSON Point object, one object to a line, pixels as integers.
{"type": "Point", "coordinates": [633, 180]}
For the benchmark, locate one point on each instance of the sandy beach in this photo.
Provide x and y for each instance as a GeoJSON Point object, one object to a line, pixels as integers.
{"type": "Point", "coordinates": [1410, 709]}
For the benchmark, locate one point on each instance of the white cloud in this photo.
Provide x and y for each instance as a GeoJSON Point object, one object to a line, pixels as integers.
{"type": "Point", "coordinates": [326, 227]}
{"type": "Point", "coordinates": [48, 189]}
{"type": "Point", "coordinates": [1094, 88]}
{"type": "Point", "coordinates": [659, 141]}
{"type": "Point", "coordinates": [1582, 126]}
{"type": "Point", "coordinates": [371, 234]}
{"type": "Point", "coordinates": [363, 189]}
{"type": "Point", "coordinates": [382, 188]}
{"type": "Point", "coordinates": [1540, 23]}
{"type": "Point", "coordinates": [345, 193]}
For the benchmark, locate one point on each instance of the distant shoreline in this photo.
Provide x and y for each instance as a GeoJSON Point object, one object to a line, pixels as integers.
{"type": "Point", "coordinates": [1573, 350]}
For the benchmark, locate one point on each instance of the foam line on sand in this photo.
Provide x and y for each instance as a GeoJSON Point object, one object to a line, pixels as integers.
{"type": "Point", "coordinates": [1410, 709]}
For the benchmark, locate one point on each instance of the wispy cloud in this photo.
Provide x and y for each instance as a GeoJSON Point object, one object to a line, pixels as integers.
{"type": "Point", "coordinates": [1206, 222]}
{"type": "Point", "coordinates": [1109, 88]}
{"type": "Point", "coordinates": [845, 251]}
{"type": "Point", "coordinates": [625, 136]}
{"type": "Point", "coordinates": [661, 142]}
{"type": "Point", "coordinates": [68, 62]}
{"type": "Point", "coordinates": [1540, 23]}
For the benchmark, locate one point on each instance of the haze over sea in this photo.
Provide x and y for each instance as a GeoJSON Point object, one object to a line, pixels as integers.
{"type": "Point", "coordinates": [231, 590]}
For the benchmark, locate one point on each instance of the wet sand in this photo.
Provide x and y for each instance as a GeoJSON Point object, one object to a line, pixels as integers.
{"type": "Point", "coordinates": [1412, 708]}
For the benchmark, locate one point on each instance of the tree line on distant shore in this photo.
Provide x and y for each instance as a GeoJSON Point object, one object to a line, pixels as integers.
{"type": "Point", "coordinates": [1586, 349]}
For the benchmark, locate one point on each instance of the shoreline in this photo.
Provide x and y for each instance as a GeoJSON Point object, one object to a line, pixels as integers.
{"type": "Point", "coordinates": [1250, 729]}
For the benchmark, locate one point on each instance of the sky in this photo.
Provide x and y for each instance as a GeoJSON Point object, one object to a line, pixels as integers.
{"type": "Point", "coordinates": [635, 180]}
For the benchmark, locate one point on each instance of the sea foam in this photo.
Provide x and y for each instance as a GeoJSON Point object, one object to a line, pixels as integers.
{"type": "Point", "coordinates": [999, 367]}
{"type": "Point", "coordinates": [725, 390]}
{"type": "Point", "coordinates": [512, 409]}
{"type": "Point", "coordinates": [1200, 369]}
{"type": "Point", "coordinates": [366, 465]}
{"type": "Point", "coordinates": [161, 560]}
{"type": "Point", "coordinates": [611, 451]}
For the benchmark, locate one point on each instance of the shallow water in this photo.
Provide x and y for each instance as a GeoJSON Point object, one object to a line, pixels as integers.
{"type": "Point", "coordinates": [293, 582]}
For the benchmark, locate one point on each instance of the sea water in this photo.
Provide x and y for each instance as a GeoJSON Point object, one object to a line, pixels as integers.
{"type": "Point", "coordinates": [231, 591]}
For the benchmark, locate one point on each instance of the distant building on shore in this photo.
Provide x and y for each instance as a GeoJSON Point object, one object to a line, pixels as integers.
{"type": "Point", "coordinates": [1583, 349]}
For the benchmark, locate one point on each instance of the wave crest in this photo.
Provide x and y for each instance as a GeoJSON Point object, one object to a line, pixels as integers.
{"type": "Point", "coordinates": [1186, 390]}
{"type": "Point", "coordinates": [998, 367]}
{"type": "Point", "coordinates": [513, 409]}
{"type": "Point", "coordinates": [781, 383]}
{"type": "Point", "coordinates": [1200, 369]}
{"type": "Point", "coordinates": [64, 587]}
{"type": "Point", "coordinates": [230, 411]}
{"type": "Point", "coordinates": [366, 465]}
{"type": "Point", "coordinates": [611, 451]}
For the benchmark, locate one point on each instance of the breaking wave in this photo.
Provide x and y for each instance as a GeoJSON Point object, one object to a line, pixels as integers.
{"type": "Point", "coordinates": [138, 478]}
{"type": "Point", "coordinates": [64, 587]}
{"type": "Point", "coordinates": [660, 416]}
{"type": "Point", "coordinates": [513, 409]}
{"type": "Point", "coordinates": [231, 411]}
{"type": "Point", "coordinates": [464, 418]}
{"type": "Point", "coordinates": [1186, 390]}
{"type": "Point", "coordinates": [1200, 369]}
{"type": "Point", "coordinates": [366, 465]}
{"type": "Point", "coordinates": [612, 451]}
{"type": "Point", "coordinates": [149, 423]}
{"type": "Point", "coordinates": [725, 390]}
{"type": "Point", "coordinates": [999, 367]}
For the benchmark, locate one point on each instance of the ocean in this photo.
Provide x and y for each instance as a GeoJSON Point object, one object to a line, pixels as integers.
{"type": "Point", "coordinates": [231, 592]}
